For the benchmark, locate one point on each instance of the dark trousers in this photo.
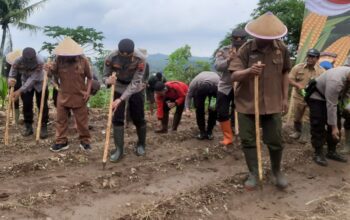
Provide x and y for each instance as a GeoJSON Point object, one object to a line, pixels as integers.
{"type": "Point", "coordinates": [136, 109]}
{"type": "Point", "coordinates": [177, 115]}
{"type": "Point", "coordinates": [17, 86]}
{"type": "Point", "coordinates": [321, 132]}
{"type": "Point", "coordinates": [199, 104]}
{"type": "Point", "coordinates": [346, 116]}
{"type": "Point", "coordinates": [27, 99]}
{"type": "Point", "coordinates": [225, 107]}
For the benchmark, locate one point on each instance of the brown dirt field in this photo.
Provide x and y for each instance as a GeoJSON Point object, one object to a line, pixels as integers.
{"type": "Point", "coordinates": [179, 178]}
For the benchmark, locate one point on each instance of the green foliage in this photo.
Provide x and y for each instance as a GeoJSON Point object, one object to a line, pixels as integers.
{"type": "Point", "coordinates": [88, 38]}
{"type": "Point", "coordinates": [101, 99]}
{"type": "Point", "coordinates": [3, 90]}
{"type": "Point", "coordinates": [180, 68]}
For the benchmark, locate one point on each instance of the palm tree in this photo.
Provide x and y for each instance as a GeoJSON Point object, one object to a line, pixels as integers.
{"type": "Point", "coordinates": [16, 12]}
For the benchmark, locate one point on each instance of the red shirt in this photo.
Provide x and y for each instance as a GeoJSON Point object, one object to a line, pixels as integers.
{"type": "Point", "coordinates": [176, 92]}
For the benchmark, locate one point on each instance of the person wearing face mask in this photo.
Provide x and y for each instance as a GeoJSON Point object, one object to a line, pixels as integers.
{"type": "Point", "coordinates": [30, 67]}
{"type": "Point", "coordinates": [225, 95]}
{"type": "Point", "coordinates": [299, 76]}
{"type": "Point", "coordinates": [129, 66]}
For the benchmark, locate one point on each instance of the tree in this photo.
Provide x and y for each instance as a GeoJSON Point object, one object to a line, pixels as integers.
{"type": "Point", "coordinates": [180, 68]}
{"type": "Point", "coordinates": [290, 12]}
{"type": "Point", "coordinates": [16, 12]}
{"type": "Point", "coordinates": [88, 38]}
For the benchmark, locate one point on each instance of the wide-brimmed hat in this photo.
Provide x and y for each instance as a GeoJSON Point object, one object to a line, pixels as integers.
{"type": "Point", "coordinates": [267, 26]}
{"type": "Point", "coordinates": [68, 47]}
{"type": "Point", "coordinates": [12, 56]}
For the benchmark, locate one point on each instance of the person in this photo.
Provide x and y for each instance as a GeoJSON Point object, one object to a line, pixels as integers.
{"type": "Point", "coordinates": [10, 59]}
{"type": "Point", "coordinates": [225, 96]}
{"type": "Point", "coordinates": [170, 95]}
{"type": "Point", "coordinates": [273, 93]}
{"type": "Point", "coordinates": [129, 65]}
{"type": "Point", "coordinates": [71, 71]}
{"type": "Point", "coordinates": [203, 86]}
{"type": "Point", "coordinates": [152, 80]}
{"type": "Point", "coordinates": [30, 67]}
{"type": "Point", "coordinates": [299, 76]}
{"type": "Point", "coordinates": [329, 91]}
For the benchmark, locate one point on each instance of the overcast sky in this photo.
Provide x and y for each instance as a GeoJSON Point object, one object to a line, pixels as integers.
{"type": "Point", "coordinates": [160, 26]}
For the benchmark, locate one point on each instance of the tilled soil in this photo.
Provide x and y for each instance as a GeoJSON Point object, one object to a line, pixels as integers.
{"type": "Point", "coordinates": [179, 178]}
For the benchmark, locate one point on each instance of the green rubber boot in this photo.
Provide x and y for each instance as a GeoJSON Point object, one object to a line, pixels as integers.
{"type": "Point", "coordinates": [252, 163]}
{"type": "Point", "coordinates": [141, 143]}
{"type": "Point", "coordinates": [118, 135]}
{"type": "Point", "coordinates": [278, 177]}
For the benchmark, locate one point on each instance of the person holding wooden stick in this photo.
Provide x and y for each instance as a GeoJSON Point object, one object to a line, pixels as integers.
{"type": "Point", "coordinates": [30, 67]}
{"type": "Point", "coordinates": [225, 95]}
{"type": "Point", "coordinates": [71, 71]}
{"type": "Point", "coordinates": [272, 93]}
{"type": "Point", "coordinates": [129, 65]}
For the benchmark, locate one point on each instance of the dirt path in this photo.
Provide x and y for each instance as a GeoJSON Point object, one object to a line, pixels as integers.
{"type": "Point", "coordinates": [179, 178]}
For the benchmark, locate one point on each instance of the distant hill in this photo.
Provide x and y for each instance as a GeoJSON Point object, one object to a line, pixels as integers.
{"type": "Point", "coordinates": [158, 61]}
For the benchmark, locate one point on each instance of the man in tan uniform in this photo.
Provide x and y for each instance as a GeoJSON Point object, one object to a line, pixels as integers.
{"type": "Point", "coordinates": [273, 93]}
{"type": "Point", "coordinates": [70, 71]}
{"type": "Point", "coordinates": [299, 76]}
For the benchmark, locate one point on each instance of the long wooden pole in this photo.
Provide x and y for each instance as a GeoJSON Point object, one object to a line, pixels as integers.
{"type": "Point", "coordinates": [109, 125]}
{"type": "Point", "coordinates": [257, 125]}
{"type": "Point", "coordinates": [236, 131]}
{"type": "Point", "coordinates": [42, 103]}
{"type": "Point", "coordinates": [9, 106]}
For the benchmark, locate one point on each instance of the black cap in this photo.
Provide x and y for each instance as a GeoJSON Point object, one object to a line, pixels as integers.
{"type": "Point", "coordinates": [29, 58]}
{"type": "Point", "coordinates": [313, 52]}
{"type": "Point", "coordinates": [126, 46]}
{"type": "Point", "coordinates": [239, 32]}
{"type": "Point", "coordinates": [159, 75]}
{"type": "Point", "coordinates": [159, 86]}
{"type": "Point", "coordinates": [28, 53]}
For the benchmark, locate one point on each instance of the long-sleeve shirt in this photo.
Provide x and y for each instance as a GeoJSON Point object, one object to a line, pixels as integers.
{"type": "Point", "coordinates": [176, 92]}
{"type": "Point", "coordinates": [205, 77]}
{"type": "Point", "coordinates": [129, 79]}
{"type": "Point", "coordinates": [222, 59]}
{"type": "Point", "coordinates": [31, 78]}
{"type": "Point", "coordinates": [333, 84]}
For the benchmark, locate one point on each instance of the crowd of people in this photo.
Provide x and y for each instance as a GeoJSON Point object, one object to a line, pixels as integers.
{"type": "Point", "coordinates": [320, 100]}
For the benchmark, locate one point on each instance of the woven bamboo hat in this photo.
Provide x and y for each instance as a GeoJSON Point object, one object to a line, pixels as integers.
{"type": "Point", "coordinates": [68, 47]}
{"type": "Point", "coordinates": [12, 56]}
{"type": "Point", "coordinates": [267, 27]}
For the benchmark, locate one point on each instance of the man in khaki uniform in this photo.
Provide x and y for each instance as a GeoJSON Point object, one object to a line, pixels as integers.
{"type": "Point", "coordinates": [299, 77]}
{"type": "Point", "coordinates": [70, 71]}
{"type": "Point", "coordinates": [273, 93]}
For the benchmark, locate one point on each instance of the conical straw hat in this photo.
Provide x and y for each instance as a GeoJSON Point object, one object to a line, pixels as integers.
{"type": "Point", "coordinates": [267, 26]}
{"type": "Point", "coordinates": [68, 47]}
{"type": "Point", "coordinates": [12, 56]}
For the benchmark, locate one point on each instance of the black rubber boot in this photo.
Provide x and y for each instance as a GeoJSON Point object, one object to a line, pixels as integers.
{"type": "Point", "coordinates": [43, 132]}
{"type": "Point", "coordinates": [28, 130]}
{"type": "Point", "coordinates": [319, 157]}
{"type": "Point", "coordinates": [176, 121]}
{"type": "Point", "coordinates": [252, 163]}
{"type": "Point", "coordinates": [118, 135]}
{"type": "Point", "coordinates": [141, 143]}
{"type": "Point", "coordinates": [277, 176]}
{"type": "Point", "coordinates": [165, 121]}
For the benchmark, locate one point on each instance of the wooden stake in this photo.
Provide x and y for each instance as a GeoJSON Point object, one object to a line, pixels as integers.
{"type": "Point", "coordinates": [13, 112]}
{"type": "Point", "coordinates": [42, 102]}
{"type": "Point", "coordinates": [236, 113]}
{"type": "Point", "coordinates": [109, 125]}
{"type": "Point", "coordinates": [257, 125]}
{"type": "Point", "coordinates": [9, 106]}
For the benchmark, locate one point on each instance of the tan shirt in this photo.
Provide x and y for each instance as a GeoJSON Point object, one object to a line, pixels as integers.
{"type": "Point", "coordinates": [71, 79]}
{"type": "Point", "coordinates": [300, 73]}
{"type": "Point", "coordinates": [277, 61]}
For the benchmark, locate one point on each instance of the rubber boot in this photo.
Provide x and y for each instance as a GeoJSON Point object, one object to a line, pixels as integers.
{"type": "Point", "coordinates": [227, 132]}
{"type": "Point", "coordinates": [17, 116]}
{"type": "Point", "coordinates": [43, 132]}
{"type": "Point", "coordinates": [118, 135]}
{"type": "Point", "coordinates": [252, 163]}
{"type": "Point", "coordinates": [176, 121]}
{"type": "Point", "coordinates": [319, 157]}
{"type": "Point", "coordinates": [277, 176]}
{"type": "Point", "coordinates": [305, 134]}
{"type": "Point", "coordinates": [297, 130]}
{"type": "Point", "coordinates": [165, 121]}
{"type": "Point", "coordinates": [141, 143]}
{"type": "Point", "coordinates": [28, 130]}
{"type": "Point", "coordinates": [346, 149]}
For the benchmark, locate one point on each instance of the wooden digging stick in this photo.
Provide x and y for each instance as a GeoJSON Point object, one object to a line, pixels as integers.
{"type": "Point", "coordinates": [257, 124]}
{"type": "Point", "coordinates": [236, 131]}
{"type": "Point", "coordinates": [9, 106]}
{"type": "Point", "coordinates": [109, 125]}
{"type": "Point", "coordinates": [13, 111]}
{"type": "Point", "coordinates": [42, 103]}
